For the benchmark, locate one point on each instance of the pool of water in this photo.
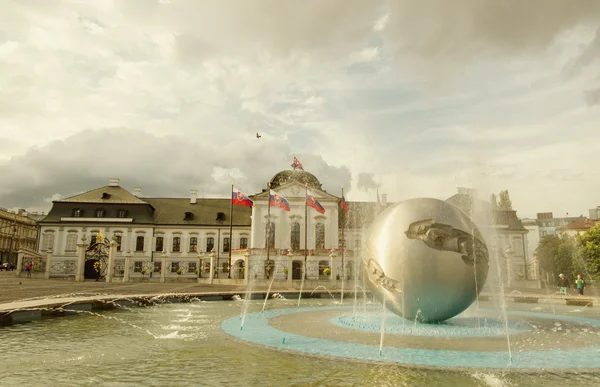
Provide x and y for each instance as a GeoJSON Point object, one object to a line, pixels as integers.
{"type": "Point", "coordinates": [184, 344]}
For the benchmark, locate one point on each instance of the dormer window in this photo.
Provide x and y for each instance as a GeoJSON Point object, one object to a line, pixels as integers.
{"type": "Point", "coordinates": [122, 213]}
{"type": "Point", "coordinates": [105, 195]}
{"type": "Point", "coordinates": [188, 216]}
{"type": "Point", "coordinates": [77, 213]}
{"type": "Point", "coordinates": [99, 213]}
{"type": "Point", "coordinates": [220, 216]}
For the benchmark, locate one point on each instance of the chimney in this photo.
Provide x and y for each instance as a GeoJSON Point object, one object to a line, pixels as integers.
{"type": "Point", "coordinates": [113, 182]}
{"type": "Point", "coordinates": [384, 200]}
{"type": "Point", "coordinates": [137, 191]}
{"type": "Point", "coordinates": [193, 195]}
{"type": "Point", "coordinates": [21, 212]}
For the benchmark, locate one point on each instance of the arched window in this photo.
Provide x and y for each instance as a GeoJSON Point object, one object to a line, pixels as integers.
{"type": "Point", "coordinates": [49, 241]}
{"type": "Point", "coordinates": [295, 236]}
{"type": "Point", "coordinates": [319, 236]}
{"type": "Point", "coordinates": [193, 245]}
{"type": "Point", "coordinates": [271, 235]}
{"type": "Point", "coordinates": [176, 244]}
{"type": "Point", "coordinates": [71, 242]}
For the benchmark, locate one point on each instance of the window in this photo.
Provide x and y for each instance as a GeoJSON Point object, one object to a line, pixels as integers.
{"type": "Point", "coordinates": [271, 235]}
{"type": "Point", "coordinates": [71, 242]}
{"type": "Point", "coordinates": [226, 245]}
{"type": "Point", "coordinates": [138, 266]}
{"type": "Point", "coordinates": [193, 244]}
{"type": "Point", "coordinates": [48, 241]}
{"type": "Point", "coordinates": [320, 236]}
{"type": "Point", "coordinates": [176, 244]}
{"type": "Point", "coordinates": [243, 243]}
{"type": "Point", "coordinates": [99, 213]}
{"type": "Point", "coordinates": [77, 213]}
{"type": "Point", "coordinates": [295, 236]}
{"type": "Point", "coordinates": [121, 213]}
{"type": "Point", "coordinates": [210, 244]}
{"type": "Point", "coordinates": [157, 267]}
{"type": "Point", "coordinates": [159, 244]}
{"type": "Point", "coordinates": [139, 243]}
{"type": "Point", "coordinates": [224, 267]}
{"type": "Point", "coordinates": [188, 216]}
{"type": "Point", "coordinates": [118, 240]}
{"type": "Point", "coordinates": [192, 267]}
{"type": "Point", "coordinates": [174, 267]}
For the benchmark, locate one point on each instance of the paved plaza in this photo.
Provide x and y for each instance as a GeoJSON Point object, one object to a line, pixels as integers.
{"type": "Point", "coordinates": [13, 288]}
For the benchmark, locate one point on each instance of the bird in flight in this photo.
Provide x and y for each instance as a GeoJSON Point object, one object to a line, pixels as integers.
{"type": "Point", "coordinates": [258, 135]}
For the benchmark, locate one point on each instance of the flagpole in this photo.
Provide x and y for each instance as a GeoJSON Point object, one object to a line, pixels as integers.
{"type": "Point", "coordinates": [343, 240]}
{"type": "Point", "coordinates": [230, 232]}
{"type": "Point", "coordinates": [305, 232]}
{"type": "Point", "coordinates": [268, 223]}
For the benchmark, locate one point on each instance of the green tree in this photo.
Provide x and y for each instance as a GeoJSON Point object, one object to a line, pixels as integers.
{"type": "Point", "coordinates": [563, 258]}
{"type": "Point", "coordinates": [590, 252]}
{"type": "Point", "coordinates": [504, 200]}
{"type": "Point", "coordinates": [545, 253]}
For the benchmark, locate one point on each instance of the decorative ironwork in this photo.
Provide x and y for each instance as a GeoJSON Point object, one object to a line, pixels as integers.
{"type": "Point", "coordinates": [65, 267]}
{"type": "Point", "coordinates": [96, 257]}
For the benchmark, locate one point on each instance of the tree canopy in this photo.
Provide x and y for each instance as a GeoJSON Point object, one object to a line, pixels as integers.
{"type": "Point", "coordinates": [571, 255]}
{"type": "Point", "coordinates": [504, 200]}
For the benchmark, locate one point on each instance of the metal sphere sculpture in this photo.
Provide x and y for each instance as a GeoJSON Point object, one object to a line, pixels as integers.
{"type": "Point", "coordinates": [425, 259]}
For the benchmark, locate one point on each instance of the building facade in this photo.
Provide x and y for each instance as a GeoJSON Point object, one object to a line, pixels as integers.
{"type": "Point", "coordinates": [549, 225]}
{"type": "Point", "coordinates": [262, 241]}
{"type": "Point", "coordinates": [506, 238]}
{"type": "Point", "coordinates": [17, 231]}
{"type": "Point", "coordinates": [189, 229]}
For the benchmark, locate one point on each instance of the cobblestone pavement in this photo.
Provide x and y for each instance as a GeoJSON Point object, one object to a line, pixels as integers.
{"type": "Point", "coordinates": [14, 288]}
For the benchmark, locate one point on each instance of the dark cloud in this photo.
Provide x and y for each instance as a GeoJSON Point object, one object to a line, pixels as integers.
{"type": "Point", "coordinates": [163, 166]}
{"type": "Point", "coordinates": [366, 181]}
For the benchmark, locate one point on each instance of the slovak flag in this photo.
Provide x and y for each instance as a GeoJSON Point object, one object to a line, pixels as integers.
{"type": "Point", "coordinates": [237, 197]}
{"type": "Point", "coordinates": [344, 205]}
{"type": "Point", "coordinates": [277, 200]}
{"type": "Point", "coordinates": [297, 164]}
{"type": "Point", "coordinates": [312, 202]}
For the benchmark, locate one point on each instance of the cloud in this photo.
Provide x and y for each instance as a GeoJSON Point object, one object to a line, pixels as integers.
{"type": "Point", "coordinates": [428, 95]}
{"type": "Point", "coordinates": [168, 166]}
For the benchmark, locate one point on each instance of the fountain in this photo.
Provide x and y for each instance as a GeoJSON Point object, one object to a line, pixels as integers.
{"type": "Point", "coordinates": [425, 264]}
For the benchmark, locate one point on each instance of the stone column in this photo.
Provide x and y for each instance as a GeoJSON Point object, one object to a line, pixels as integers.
{"type": "Point", "coordinates": [19, 263]}
{"type": "Point", "coordinates": [48, 261]}
{"type": "Point", "coordinates": [127, 264]}
{"type": "Point", "coordinates": [112, 253]}
{"type": "Point", "coordinates": [163, 266]}
{"type": "Point", "coordinates": [332, 265]}
{"type": "Point", "coordinates": [79, 274]}
{"type": "Point", "coordinates": [212, 267]}
{"type": "Point", "coordinates": [246, 267]}
{"type": "Point", "coordinates": [290, 259]}
{"type": "Point", "coordinates": [200, 262]}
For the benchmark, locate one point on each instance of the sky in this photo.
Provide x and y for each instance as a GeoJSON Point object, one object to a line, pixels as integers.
{"type": "Point", "coordinates": [412, 99]}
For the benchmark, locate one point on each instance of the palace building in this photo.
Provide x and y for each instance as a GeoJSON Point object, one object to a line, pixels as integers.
{"type": "Point", "coordinates": [189, 229]}
{"type": "Point", "coordinates": [186, 234]}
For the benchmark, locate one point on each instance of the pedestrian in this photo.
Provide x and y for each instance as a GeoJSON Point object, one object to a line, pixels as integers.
{"type": "Point", "coordinates": [579, 284]}
{"type": "Point", "coordinates": [29, 269]}
{"type": "Point", "coordinates": [563, 283]}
